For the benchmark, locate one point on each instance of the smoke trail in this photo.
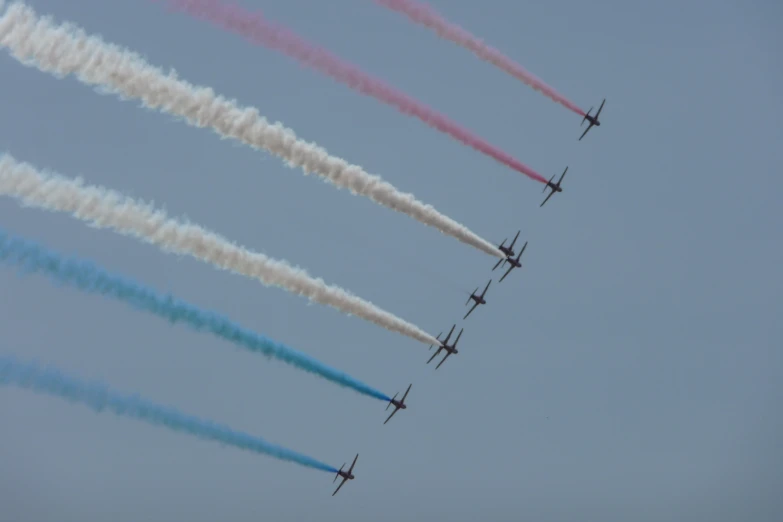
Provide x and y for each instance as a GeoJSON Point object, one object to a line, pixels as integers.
{"type": "Point", "coordinates": [256, 29]}
{"type": "Point", "coordinates": [66, 49]}
{"type": "Point", "coordinates": [30, 257]}
{"type": "Point", "coordinates": [428, 17]}
{"type": "Point", "coordinates": [103, 208]}
{"type": "Point", "coordinates": [99, 397]}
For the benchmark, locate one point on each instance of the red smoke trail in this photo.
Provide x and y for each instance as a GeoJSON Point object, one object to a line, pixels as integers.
{"type": "Point", "coordinates": [428, 17]}
{"type": "Point", "coordinates": [255, 28]}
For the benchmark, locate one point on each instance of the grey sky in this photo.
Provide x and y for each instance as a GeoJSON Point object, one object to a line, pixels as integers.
{"type": "Point", "coordinates": [632, 369]}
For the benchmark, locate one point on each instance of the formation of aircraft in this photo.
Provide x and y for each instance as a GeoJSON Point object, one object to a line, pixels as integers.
{"type": "Point", "coordinates": [478, 299]}
{"type": "Point", "coordinates": [444, 345]}
{"type": "Point", "coordinates": [508, 250]}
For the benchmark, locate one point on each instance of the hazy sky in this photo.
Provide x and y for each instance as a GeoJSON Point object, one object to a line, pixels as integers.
{"type": "Point", "coordinates": [631, 370]}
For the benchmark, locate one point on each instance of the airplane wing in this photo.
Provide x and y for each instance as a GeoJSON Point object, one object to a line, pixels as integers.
{"type": "Point", "coordinates": [585, 132]}
{"type": "Point", "coordinates": [508, 272]}
{"type": "Point", "coordinates": [500, 262]}
{"type": "Point", "coordinates": [338, 487]}
{"type": "Point", "coordinates": [350, 470]}
{"type": "Point", "coordinates": [599, 109]}
{"type": "Point", "coordinates": [406, 393]}
{"type": "Point", "coordinates": [511, 246]}
{"type": "Point", "coordinates": [473, 308]}
{"type": "Point", "coordinates": [562, 176]}
{"type": "Point", "coordinates": [435, 354]}
{"type": "Point", "coordinates": [446, 340]}
{"type": "Point", "coordinates": [547, 199]}
{"type": "Point", "coordinates": [486, 288]}
{"type": "Point", "coordinates": [390, 416]}
{"type": "Point", "coordinates": [457, 340]}
{"type": "Point", "coordinates": [443, 360]}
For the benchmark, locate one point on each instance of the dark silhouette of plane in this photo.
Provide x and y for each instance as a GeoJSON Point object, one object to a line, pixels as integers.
{"type": "Point", "coordinates": [398, 404]}
{"type": "Point", "coordinates": [592, 119]}
{"type": "Point", "coordinates": [555, 187]}
{"type": "Point", "coordinates": [508, 250]}
{"type": "Point", "coordinates": [515, 263]}
{"type": "Point", "coordinates": [479, 299]}
{"type": "Point", "coordinates": [346, 475]}
{"type": "Point", "coordinates": [444, 345]}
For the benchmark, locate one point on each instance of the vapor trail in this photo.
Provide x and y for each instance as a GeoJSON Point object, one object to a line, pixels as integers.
{"type": "Point", "coordinates": [103, 208]}
{"type": "Point", "coordinates": [428, 17]}
{"type": "Point", "coordinates": [84, 275]}
{"type": "Point", "coordinates": [99, 397]}
{"type": "Point", "coordinates": [255, 28]}
{"type": "Point", "coordinates": [66, 49]}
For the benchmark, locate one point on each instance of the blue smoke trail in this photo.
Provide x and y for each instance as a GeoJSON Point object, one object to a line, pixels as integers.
{"type": "Point", "coordinates": [99, 397]}
{"type": "Point", "coordinates": [30, 257]}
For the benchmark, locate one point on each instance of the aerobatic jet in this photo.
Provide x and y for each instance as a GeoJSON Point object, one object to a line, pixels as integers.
{"type": "Point", "coordinates": [479, 299]}
{"type": "Point", "coordinates": [398, 404]}
{"type": "Point", "coordinates": [346, 475]}
{"type": "Point", "coordinates": [555, 187]}
{"type": "Point", "coordinates": [444, 345]}
{"type": "Point", "coordinates": [515, 263]}
{"type": "Point", "coordinates": [508, 250]}
{"type": "Point", "coordinates": [592, 119]}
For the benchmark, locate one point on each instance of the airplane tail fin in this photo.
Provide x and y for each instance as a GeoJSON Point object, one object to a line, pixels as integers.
{"type": "Point", "coordinates": [471, 296]}
{"type": "Point", "coordinates": [338, 473]}
{"type": "Point", "coordinates": [438, 338]}
{"type": "Point", "coordinates": [390, 402]}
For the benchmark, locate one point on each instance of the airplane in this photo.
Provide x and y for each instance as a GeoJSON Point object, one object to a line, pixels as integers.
{"type": "Point", "coordinates": [445, 346]}
{"type": "Point", "coordinates": [508, 250]}
{"type": "Point", "coordinates": [398, 404]}
{"type": "Point", "coordinates": [346, 475]}
{"type": "Point", "coordinates": [514, 263]}
{"type": "Point", "coordinates": [555, 187]}
{"type": "Point", "coordinates": [479, 299]}
{"type": "Point", "coordinates": [592, 119]}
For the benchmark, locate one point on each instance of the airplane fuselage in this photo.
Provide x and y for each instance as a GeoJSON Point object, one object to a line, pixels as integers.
{"type": "Point", "coordinates": [508, 251]}
{"type": "Point", "coordinates": [554, 187]}
{"type": "Point", "coordinates": [398, 404]}
{"type": "Point", "coordinates": [479, 300]}
{"type": "Point", "coordinates": [346, 475]}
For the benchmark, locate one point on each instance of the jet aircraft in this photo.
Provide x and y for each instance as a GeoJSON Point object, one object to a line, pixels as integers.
{"type": "Point", "coordinates": [346, 475]}
{"type": "Point", "coordinates": [479, 299]}
{"type": "Point", "coordinates": [592, 119]}
{"type": "Point", "coordinates": [554, 187]}
{"type": "Point", "coordinates": [444, 345]}
{"type": "Point", "coordinates": [398, 404]}
{"type": "Point", "coordinates": [515, 263]}
{"type": "Point", "coordinates": [508, 250]}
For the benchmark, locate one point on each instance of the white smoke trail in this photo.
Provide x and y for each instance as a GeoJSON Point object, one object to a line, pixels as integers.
{"type": "Point", "coordinates": [66, 49]}
{"type": "Point", "coordinates": [104, 208]}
